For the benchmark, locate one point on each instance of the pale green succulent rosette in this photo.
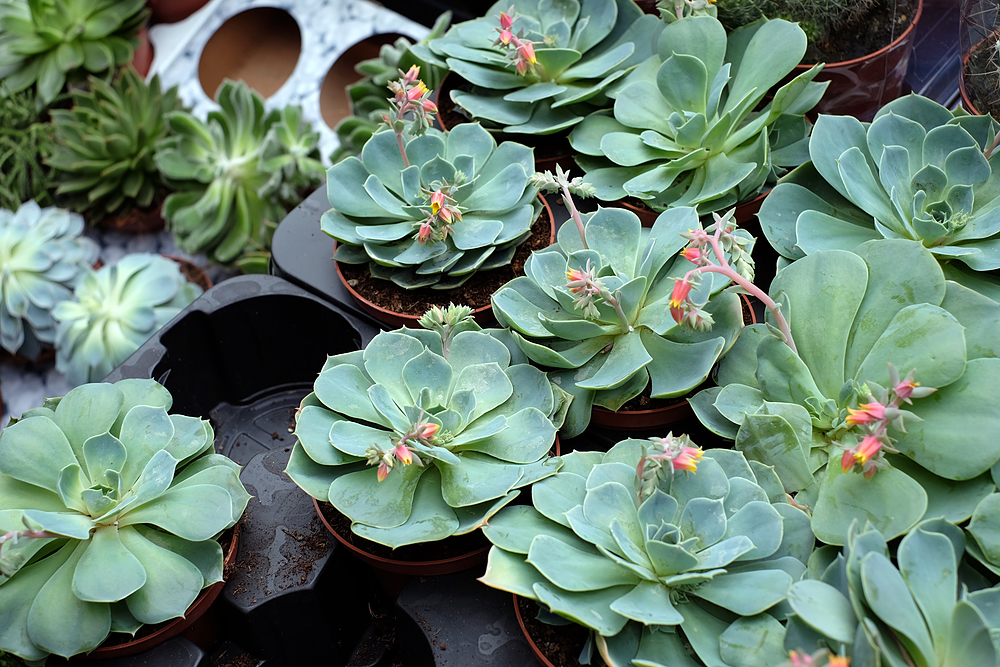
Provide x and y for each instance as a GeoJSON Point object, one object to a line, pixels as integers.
{"type": "Point", "coordinates": [44, 42]}
{"type": "Point", "coordinates": [598, 357]}
{"type": "Point", "coordinates": [686, 130]}
{"type": "Point", "coordinates": [237, 175]}
{"type": "Point", "coordinates": [379, 205]}
{"type": "Point", "coordinates": [115, 310]}
{"type": "Point", "coordinates": [493, 418]}
{"type": "Point", "coordinates": [851, 316]}
{"type": "Point", "coordinates": [42, 259]}
{"type": "Point", "coordinates": [917, 171]}
{"type": "Point", "coordinates": [693, 567]}
{"type": "Point", "coordinates": [917, 606]}
{"type": "Point", "coordinates": [582, 47]}
{"type": "Point", "coordinates": [128, 501]}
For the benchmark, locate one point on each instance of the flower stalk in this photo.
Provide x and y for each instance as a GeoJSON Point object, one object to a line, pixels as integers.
{"type": "Point", "coordinates": [683, 309]}
{"type": "Point", "coordinates": [409, 95]}
{"type": "Point", "coordinates": [561, 182]}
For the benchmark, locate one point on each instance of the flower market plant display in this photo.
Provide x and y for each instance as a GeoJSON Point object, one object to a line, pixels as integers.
{"type": "Point", "coordinates": [539, 67]}
{"type": "Point", "coordinates": [426, 433]}
{"type": "Point", "coordinates": [886, 409]}
{"type": "Point", "coordinates": [662, 550]}
{"type": "Point", "coordinates": [116, 309]}
{"type": "Point", "coordinates": [425, 208]}
{"type": "Point", "coordinates": [918, 171]}
{"type": "Point", "coordinates": [42, 259]}
{"type": "Point", "coordinates": [685, 129]}
{"type": "Point", "coordinates": [596, 307]}
{"type": "Point", "coordinates": [109, 510]}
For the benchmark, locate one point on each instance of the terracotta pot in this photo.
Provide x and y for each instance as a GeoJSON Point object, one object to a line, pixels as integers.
{"type": "Point", "coordinates": [142, 59]}
{"type": "Point", "coordinates": [550, 149]}
{"type": "Point", "coordinates": [483, 314]}
{"type": "Point", "coordinates": [656, 418]}
{"type": "Point", "coordinates": [860, 87]}
{"type": "Point", "coordinates": [745, 212]}
{"type": "Point", "coordinates": [542, 657]}
{"type": "Point", "coordinates": [415, 568]}
{"type": "Point", "coordinates": [194, 273]}
{"type": "Point", "coordinates": [178, 625]}
{"type": "Point", "coordinates": [171, 11]}
{"type": "Point", "coordinates": [966, 100]}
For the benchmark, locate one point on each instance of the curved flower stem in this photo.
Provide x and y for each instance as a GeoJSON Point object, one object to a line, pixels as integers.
{"type": "Point", "coordinates": [402, 150]}
{"type": "Point", "coordinates": [33, 534]}
{"type": "Point", "coordinates": [616, 304]}
{"type": "Point", "coordinates": [728, 271]}
{"type": "Point", "coordinates": [568, 199]}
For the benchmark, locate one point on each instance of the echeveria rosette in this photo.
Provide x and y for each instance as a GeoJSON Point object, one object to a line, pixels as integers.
{"type": "Point", "coordinates": [103, 156]}
{"type": "Point", "coordinates": [116, 309]}
{"type": "Point", "coordinates": [851, 316]}
{"type": "Point", "coordinates": [42, 259]}
{"type": "Point", "coordinates": [133, 498]}
{"type": "Point", "coordinates": [917, 606]}
{"type": "Point", "coordinates": [695, 562]}
{"type": "Point", "coordinates": [496, 419]}
{"type": "Point", "coordinates": [380, 204]}
{"type": "Point", "coordinates": [236, 174]}
{"type": "Point", "coordinates": [686, 130]}
{"type": "Point", "coordinates": [581, 48]}
{"type": "Point", "coordinates": [602, 360]}
{"type": "Point", "coordinates": [45, 42]}
{"type": "Point", "coordinates": [918, 171]}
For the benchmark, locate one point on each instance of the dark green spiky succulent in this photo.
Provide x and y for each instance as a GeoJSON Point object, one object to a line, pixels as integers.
{"type": "Point", "coordinates": [45, 42]}
{"type": "Point", "coordinates": [237, 174]}
{"type": "Point", "coordinates": [25, 139]}
{"type": "Point", "coordinates": [105, 144]}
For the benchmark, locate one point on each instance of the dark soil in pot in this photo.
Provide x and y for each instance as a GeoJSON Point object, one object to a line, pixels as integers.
{"type": "Point", "coordinates": [886, 21]}
{"type": "Point", "coordinates": [554, 645]}
{"type": "Point", "coordinates": [981, 79]}
{"type": "Point", "coordinates": [135, 220]}
{"type": "Point", "coordinates": [475, 293]}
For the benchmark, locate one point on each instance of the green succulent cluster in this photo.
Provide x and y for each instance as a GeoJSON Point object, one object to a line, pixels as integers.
{"type": "Point", "coordinates": [103, 160]}
{"type": "Point", "coordinates": [116, 309]}
{"type": "Point", "coordinates": [916, 606]}
{"type": "Point", "coordinates": [582, 47]}
{"type": "Point", "coordinates": [43, 43]}
{"type": "Point", "coordinates": [662, 564]}
{"type": "Point", "coordinates": [854, 318]}
{"type": "Point", "coordinates": [114, 507]}
{"type": "Point", "coordinates": [917, 171]}
{"type": "Point", "coordinates": [426, 434]}
{"type": "Point", "coordinates": [380, 205]}
{"type": "Point", "coordinates": [43, 257]}
{"type": "Point", "coordinates": [26, 139]}
{"type": "Point", "coordinates": [368, 96]}
{"type": "Point", "coordinates": [599, 355]}
{"type": "Point", "coordinates": [237, 175]}
{"type": "Point", "coordinates": [686, 130]}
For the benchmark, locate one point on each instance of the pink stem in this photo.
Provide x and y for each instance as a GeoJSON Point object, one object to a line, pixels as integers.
{"type": "Point", "coordinates": [34, 534]}
{"type": "Point", "coordinates": [402, 150]}
{"type": "Point", "coordinates": [726, 270]}
{"type": "Point", "coordinates": [568, 199]}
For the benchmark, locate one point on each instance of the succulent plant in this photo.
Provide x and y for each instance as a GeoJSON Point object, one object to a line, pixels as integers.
{"type": "Point", "coordinates": [425, 434]}
{"type": "Point", "coordinates": [658, 552]}
{"type": "Point", "coordinates": [105, 144]}
{"type": "Point", "coordinates": [44, 42]}
{"type": "Point", "coordinates": [111, 508]}
{"type": "Point", "coordinates": [42, 259]}
{"type": "Point", "coordinates": [918, 172]}
{"type": "Point", "coordinates": [237, 175]}
{"type": "Point", "coordinates": [911, 608]}
{"type": "Point", "coordinates": [115, 310]}
{"type": "Point", "coordinates": [685, 129]}
{"type": "Point", "coordinates": [583, 46]}
{"type": "Point", "coordinates": [26, 138]}
{"type": "Point", "coordinates": [838, 407]}
{"type": "Point", "coordinates": [367, 96]}
{"type": "Point", "coordinates": [462, 204]}
{"type": "Point", "coordinates": [817, 18]}
{"type": "Point", "coordinates": [600, 314]}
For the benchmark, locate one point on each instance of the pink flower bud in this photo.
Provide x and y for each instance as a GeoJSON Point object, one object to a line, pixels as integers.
{"type": "Point", "coordinates": [527, 51]}
{"type": "Point", "coordinates": [427, 431]}
{"type": "Point", "coordinates": [383, 471]}
{"type": "Point", "coordinates": [416, 92]}
{"type": "Point", "coordinates": [506, 36]}
{"type": "Point", "coordinates": [506, 22]}
{"type": "Point", "coordinates": [428, 106]}
{"type": "Point", "coordinates": [402, 453]}
{"type": "Point", "coordinates": [424, 233]}
{"type": "Point", "coordinates": [682, 288]}
{"type": "Point", "coordinates": [866, 413]}
{"type": "Point", "coordinates": [688, 459]}
{"type": "Point", "coordinates": [868, 448]}
{"type": "Point", "coordinates": [692, 255]}
{"type": "Point", "coordinates": [412, 74]}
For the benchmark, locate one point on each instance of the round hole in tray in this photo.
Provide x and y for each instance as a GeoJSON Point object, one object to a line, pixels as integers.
{"type": "Point", "coordinates": [260, 46]}
{"type": "Point", "coordinates": [333, 102]}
